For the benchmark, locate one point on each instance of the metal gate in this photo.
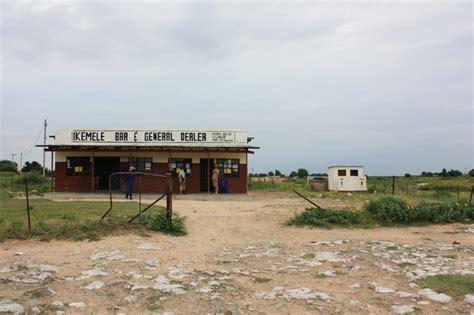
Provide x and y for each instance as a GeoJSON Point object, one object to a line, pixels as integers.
{"type": "Point", "coordinates": [132, 184]}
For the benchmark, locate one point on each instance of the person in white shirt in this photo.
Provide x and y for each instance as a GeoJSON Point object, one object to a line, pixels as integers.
{"type": "Point", "coordinates": [182, 180]}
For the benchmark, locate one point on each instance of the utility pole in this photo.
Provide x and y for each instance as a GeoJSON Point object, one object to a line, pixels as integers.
{"type": "Point", "coordinates": [44, 148]}
{"type": "Point", "coordinates": [13, 158]}
{"type": "Point", "coordinates": [21, 161]}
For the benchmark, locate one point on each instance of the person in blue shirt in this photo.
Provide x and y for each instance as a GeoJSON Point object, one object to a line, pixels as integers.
{"type": "Point", "coordinates": [129, 179]}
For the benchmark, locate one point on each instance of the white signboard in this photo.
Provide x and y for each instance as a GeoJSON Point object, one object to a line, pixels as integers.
{"type": "Point", "coordinates": [149, 137]}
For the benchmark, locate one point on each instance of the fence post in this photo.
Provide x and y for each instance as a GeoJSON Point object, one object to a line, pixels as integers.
{"type": "Point", "coordinates": [393, 185]}
{"type": "Point", "coordinates": [27, 203]}
{"type": "Point", "coordinates": [458, 193]}
{"type": "Point", "coordinates": [140, 193]}
{"type": "Point", "coordinates": [169, 200]}
{"type": "Point", "coordinates": [470, 198]}
{"type": "Point", "coordinates": [13, 175]}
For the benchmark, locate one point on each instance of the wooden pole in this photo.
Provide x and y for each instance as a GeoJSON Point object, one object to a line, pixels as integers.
{"type": "Point", "coordinates": [140, 192]}
{"type": "Point", "coordinates": [51, 177]}
{"type": "Point", "coordinates": [470, 198]}
{"type": "Point", "coordinates": [169, 201]}
{"type": "Point", "coordinates": [27, 203]}
{"type": "Point", "coordinates": [393, 185]}
{"type": "Point", "coordinates": [458, 193]}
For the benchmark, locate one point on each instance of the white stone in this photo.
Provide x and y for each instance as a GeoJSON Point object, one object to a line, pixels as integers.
{"type": "Point", "coordinates": [469, 298]}
{"type": "Point", "coordinates": [299, 294]}
{"type": "Point", "coordinates": [80, 305]}
{"type": "Point", "coordinates": [355, 285]}
{"type": "Point", "coordinates": [383, 290]}
{"type": "Point", "coordinates": [424, 303]}
{"type": "Point", "coordinates": [57, 305]}
{"type": "Point", "coordinates": [437, 297]}
{"type": "Point", "coordinates": [92, 273]}
{"type": "Point", "coordinates": [162, 284]}
{"type": "Point", "coordinates": [8, 306]}
{"type": "Point", "coordinates": [328, 256]}
{"type": "Point", "coordinates": [112, 255]}
{"type": "Point", "coordinates": [402, 309]}
{"type": "Point", "coordinates": [146, 246]}
{"type": "Point", "coordinates": [328, 273]}
{"type": "Point", "coordinates": [19, 254]}
{"type": "Point", "coordinates": [130, 299]}
{"type": "Point", "coordinates": [94, 285]}
{"type": "Point", "coordinates": [152, 262]}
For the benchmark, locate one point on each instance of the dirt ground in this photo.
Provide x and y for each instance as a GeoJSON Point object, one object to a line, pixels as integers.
{"type": "Point", "coordinates": [238, 257]}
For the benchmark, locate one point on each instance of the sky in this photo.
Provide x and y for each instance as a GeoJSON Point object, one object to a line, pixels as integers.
{"type": "Point", "coordinates": [387, 85]}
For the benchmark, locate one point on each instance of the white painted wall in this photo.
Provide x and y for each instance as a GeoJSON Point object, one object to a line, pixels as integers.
{"type": "Point", "coordinates": [348, 182]}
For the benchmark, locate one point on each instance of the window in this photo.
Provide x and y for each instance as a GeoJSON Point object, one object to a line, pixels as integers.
{"type": "Point", "coordinates": [78, 166]}
{"type": "Point", "coordinates": [341, 172]}
{"type": "Point", "coordinates": [142, 164]}
{"type": "Point", "coordinates": [228, 168]}
{"type": "Point", "coordinates": [182, 163]}
{"type": "Point", "coordinates": [354, 172]}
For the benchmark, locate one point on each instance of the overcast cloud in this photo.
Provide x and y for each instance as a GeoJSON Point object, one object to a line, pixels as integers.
{"type": "Point", "coordinates": [385, 85]}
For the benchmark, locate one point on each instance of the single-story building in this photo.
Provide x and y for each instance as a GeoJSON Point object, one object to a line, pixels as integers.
{"type": "Point", "coordinates": [347, 178]}
{"type": "Point", "coordinates": [84, 159]}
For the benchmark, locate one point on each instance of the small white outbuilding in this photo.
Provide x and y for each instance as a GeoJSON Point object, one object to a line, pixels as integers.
{"type": "Point", "coordinates": [347, 178]}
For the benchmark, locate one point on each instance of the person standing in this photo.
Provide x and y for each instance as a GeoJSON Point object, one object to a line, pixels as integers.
{"type": "Point", "coordinates": [215, 179]}
{"type": "Point", "coordinates": [129, 181]}
{"type": "Point", "coordinates": [182, 180]}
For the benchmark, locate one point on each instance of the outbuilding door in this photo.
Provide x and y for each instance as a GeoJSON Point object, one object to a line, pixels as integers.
{"type": "Point", "coordinates": [103, 167]}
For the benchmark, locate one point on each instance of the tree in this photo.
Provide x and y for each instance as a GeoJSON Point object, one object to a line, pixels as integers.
{"type": "Point", "coordinates": [302, 173]}
{"type": "Point", "coordinates": [32, 167]}
{"type": "Point", "coordinates": [471, 173]}
{"type": "Point", "coordinates": [407, 175]}
{"type": "Point", "coordinates": [271, 173]}
{"type": "Point", "coordinates": [293, 174]}
{"type": "Point", "coordinates": [454, 173]}
{"type": "Point", "coordinates": [278, 173]}
{"type": "Point", "coordinates": [8, 166]}
{"type": "Point", "coordinates": [444, 173]}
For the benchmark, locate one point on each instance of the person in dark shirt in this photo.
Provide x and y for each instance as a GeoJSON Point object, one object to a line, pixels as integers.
{"type": "Point", "coordinates": [129, 179]}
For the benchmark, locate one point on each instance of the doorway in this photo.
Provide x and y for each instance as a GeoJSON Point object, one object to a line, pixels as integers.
{"type": "Point", "coordinates": [205, 174]}
{"type": "Point", "coordinates": [103, 167]}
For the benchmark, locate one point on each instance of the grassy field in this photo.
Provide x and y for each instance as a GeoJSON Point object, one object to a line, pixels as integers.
{"type": "Point", "coordinates": [74, 220]}
{"type": "Point", "coordinates": [432, 189]}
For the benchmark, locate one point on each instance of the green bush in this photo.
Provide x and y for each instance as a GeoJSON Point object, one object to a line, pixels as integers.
{"type": "Point", "coordinates": [390, 210]}
{"type": "Point", "coordinates": [444, 212]}
{"type": "Point", "coordinates": [326, 218]}
{"type": "Point", "coordinates": [158, 221]}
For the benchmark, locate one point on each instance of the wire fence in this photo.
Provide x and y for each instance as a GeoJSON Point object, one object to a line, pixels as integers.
{"type": "Point", "coordinates": [134, 185]}
{"type": "Point", "coordinates": [145, 188]}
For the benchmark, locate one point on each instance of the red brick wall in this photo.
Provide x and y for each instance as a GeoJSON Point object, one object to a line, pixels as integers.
{"type": "Point", "coordinates": [238, 185]}
{"type": "Point", "coordinates": [64, 183]}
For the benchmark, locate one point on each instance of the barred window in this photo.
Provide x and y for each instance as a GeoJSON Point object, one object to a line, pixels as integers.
{"type": "Point", "coordinates": [184, 164]}
{"type": "Point", "coordinates": [228, 167]}
{"type": "Point", "coordinates": [142, 164]}
{"type": "Point", "coordinates": [341, 172]}
{"type": "Point", "coordinates": [78, 166]}
{"type": "Point", "coordinates": [354, 172]}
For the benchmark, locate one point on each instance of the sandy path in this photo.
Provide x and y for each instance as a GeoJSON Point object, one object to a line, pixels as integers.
{"type": "Point", "coordinates": [239, 257]}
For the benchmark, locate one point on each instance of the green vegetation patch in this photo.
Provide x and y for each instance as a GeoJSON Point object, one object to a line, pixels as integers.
{"type": "Point", "coordinates": [80, 220]}
{"type": "Point", "coordinates": [453, 285]}
{"type": "Point", "coordinates": [387, 210]}
{"type": "Point", "coordinates": [327, 218]}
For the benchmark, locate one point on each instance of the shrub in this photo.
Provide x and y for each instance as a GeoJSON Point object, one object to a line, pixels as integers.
{"type": "Point", "coordinates": [390, 210]}
{"type": "Point", "coordinates": [158, 221]}
{"type": "Point", "coordinates": [326, 218]}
